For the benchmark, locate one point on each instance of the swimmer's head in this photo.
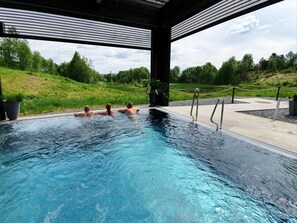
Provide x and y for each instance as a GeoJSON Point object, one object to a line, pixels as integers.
{"type": "Point", "coordinates": [87, 109]}
{"type": "Point", "coordinates": [129, 105]}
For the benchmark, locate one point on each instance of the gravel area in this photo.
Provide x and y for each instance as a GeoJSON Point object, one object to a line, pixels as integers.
{"type": "Point", "coordinates": [282, 116]}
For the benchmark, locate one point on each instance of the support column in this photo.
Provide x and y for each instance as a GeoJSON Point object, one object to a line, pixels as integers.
{"type": "Point", "coordinates": [2, 112]}
{"type": "Point", "coordinates": [2, 29]}
{"type": "Point", "coordinates": [160, 62]}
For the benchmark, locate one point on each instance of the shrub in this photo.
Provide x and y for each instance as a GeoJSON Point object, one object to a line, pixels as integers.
{"type": "Point", "coordinates": [13, 98]}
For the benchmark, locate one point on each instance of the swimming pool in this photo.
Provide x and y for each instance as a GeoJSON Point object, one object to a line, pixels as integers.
{"type": "Point", "coordinates": [152, 167]}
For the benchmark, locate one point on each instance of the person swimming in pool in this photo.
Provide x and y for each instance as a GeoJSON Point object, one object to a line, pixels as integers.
{"type": "Point", "coordinates": [86, 113]}
{"type": "Point", "coordinates": [130, 110]}
{"type": "Point", "coordinates": [107, 112]}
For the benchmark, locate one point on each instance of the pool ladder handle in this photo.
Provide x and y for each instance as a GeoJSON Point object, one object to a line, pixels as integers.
{"type": "Point", "coordinates": [222, 112]}
{"type": "Point", "coordinates": [195, 96]}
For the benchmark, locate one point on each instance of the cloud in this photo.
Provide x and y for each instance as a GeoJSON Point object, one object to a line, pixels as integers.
{"type": "Point", "coordinates": [117, 54]}
{"type": "Point", "coordinates": [281, 21]}
{"type": "Point", "coordinates": [87, 47]}
{"type": "Point", "coordinates": [244, 25]}
{"type": "Point", "coordinates": [264, 27]}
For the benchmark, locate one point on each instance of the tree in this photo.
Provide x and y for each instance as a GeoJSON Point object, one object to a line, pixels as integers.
{"type": "Point", "coordinates": [262, 64]}
{"type": "Point", "coordinates": [24, 55]}
{"type": "Point", "coordinates": [281, 62]}
{"type": "Point", "coordinates": [208, 73]}
{"type": "Point", "coordinates": [76, 68]}
{"type": "Point", "coordinates": [52, 69]}
{"type": "Point", "coordinates": [140, 74]}
{"type": "Point", "coordinates": [9, 53]}
{"type": "Point", "coordinates": [110, 77]}
{"type": "Point", "coordinates": [244, 67]}
{"type": "Point", "coordinates": [62, 69]}
{"type": "Point", "coordinates": [79, 70]}
{"type": "Point", "coordinates": [137, 75]}
{"type": "Point", "coordinates": [174, 74]}
{"type": "Point", "coordinates": [227, 72]}
{"type": "Point", "coordinates": [248, 62]}
{"type": "Point", "coordinates": [291, 60]}
{"type": "Point", "coordinates": [36, 61]}
{"type": "Point", "coordinates": [15, 53]}
{"type": "Point", "coordinates": [272, 63]}
{"type": "Point", "coordinates": [184, 77]}
{"type": "Point", "coordinates": [191, 75]}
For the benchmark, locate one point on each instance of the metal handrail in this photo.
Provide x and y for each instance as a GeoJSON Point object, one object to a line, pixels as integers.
{"type": "Point", "coordinates": [195, 96]}
{"type": "Point", "coordinates": [222, 112]}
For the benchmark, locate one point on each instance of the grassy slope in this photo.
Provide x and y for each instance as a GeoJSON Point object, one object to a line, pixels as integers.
{"type": "Point", "coordinates": [50, 93]}
{"type": "Point", "coordinates": [47, 93]}
{"type": "Point", "coordinates": [265, 86]}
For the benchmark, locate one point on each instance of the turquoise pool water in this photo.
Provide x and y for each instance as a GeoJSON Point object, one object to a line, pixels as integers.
{"type": "Point", "coordinates": [148, 168]}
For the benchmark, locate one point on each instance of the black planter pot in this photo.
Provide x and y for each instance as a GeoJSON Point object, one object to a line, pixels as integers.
{"type": "Point", "coordinates": [293, 108]}
{"type": "Point", "coordinates": [12, 110]}
{"type": "Point", "coordinates": [157, 100]}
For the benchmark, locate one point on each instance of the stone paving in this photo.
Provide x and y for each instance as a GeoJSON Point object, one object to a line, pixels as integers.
{"type": "Point", "coordinates": [276, 133]}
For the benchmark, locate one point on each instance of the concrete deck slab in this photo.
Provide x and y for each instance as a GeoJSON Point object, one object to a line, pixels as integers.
{"type": "Point", "coordinates": [276, 133]}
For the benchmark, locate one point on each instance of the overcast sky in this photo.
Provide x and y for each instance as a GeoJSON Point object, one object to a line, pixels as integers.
{"type": "Point", "coordinates": [269, 30]}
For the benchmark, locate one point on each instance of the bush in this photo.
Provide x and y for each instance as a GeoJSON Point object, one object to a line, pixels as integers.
{"type": "Point", "coordinates": [13, 98]}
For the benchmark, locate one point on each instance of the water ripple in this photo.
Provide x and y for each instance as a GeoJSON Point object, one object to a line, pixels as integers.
{"type": "Point", "coordinates": [147, 168]}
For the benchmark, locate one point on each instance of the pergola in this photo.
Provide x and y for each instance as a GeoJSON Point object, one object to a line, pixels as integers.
{"type": "Point", "coordinates": [139, 24]}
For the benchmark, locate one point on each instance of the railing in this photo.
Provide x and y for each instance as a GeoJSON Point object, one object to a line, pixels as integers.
{"type": "Point", "coordinates": [243, 89]}
{"type": "Point", "coordinates": [195, 96]}
{"type": "Point", "coordinates": [222, 112]}
{"type": "Point", "coordinates": [259, 90]}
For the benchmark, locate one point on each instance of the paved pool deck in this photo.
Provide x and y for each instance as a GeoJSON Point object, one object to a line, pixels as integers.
{"type": "Point", "coordinates": [276, 133]}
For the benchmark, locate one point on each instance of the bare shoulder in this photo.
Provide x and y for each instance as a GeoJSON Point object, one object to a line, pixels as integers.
{"type": "Point", "coordinates": [136, 109]}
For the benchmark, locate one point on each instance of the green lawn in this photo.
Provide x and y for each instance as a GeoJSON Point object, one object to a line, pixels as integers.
{"type": "Point", "coordinates": [252, 90]}
{"type": "Point", "coordinates": [50, 93]}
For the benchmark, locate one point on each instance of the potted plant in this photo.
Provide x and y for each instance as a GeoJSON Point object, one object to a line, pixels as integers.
{"type": "Point", "coordinates": [293, 105]}
{"type": "Point", "coordinates": [12, 105]}
{"type": "Point", "coordinates": [158, 93]}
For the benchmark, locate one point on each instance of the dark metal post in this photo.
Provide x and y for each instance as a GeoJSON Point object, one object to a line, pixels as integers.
{"type": "Point", "coordinates": [160, 59]}
{"type": "Point", "coordinates": [2, 28]}
{"type": "Point", "coordinates": [2, 112]}
{"type": "Point", "coordinates": [233, 92]}
{"type": "Point", "coordinates": [277, 94]}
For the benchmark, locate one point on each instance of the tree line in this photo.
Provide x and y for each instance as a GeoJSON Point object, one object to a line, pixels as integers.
{"type": "Point", "coordinates": [16, 54]}
{"type": "Point", "coordinates": [235, 72]}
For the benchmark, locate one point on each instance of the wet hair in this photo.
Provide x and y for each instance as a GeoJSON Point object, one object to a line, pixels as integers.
{"type": "Point", "coordinates": [87, 108]}
{"type": "Point", "coordinates": [129, 105]}
{"type": "Point", "coordinates": [108, 107]}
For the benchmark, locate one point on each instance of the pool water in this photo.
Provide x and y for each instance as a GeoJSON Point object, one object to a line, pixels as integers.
{"type": "Point", "coordinates": [146, 168]}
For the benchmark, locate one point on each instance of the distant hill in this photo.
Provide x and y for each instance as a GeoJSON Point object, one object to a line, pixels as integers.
{"type": "Point", "coordinates": [278, 79]}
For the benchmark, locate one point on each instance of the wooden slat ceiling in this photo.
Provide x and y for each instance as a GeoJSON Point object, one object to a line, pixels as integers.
{"type": "Point", "coordinates": [86, 21]}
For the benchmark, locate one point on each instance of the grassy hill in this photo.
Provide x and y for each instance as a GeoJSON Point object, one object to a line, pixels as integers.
{"type": "Point", "coordinates": [50, 93]}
